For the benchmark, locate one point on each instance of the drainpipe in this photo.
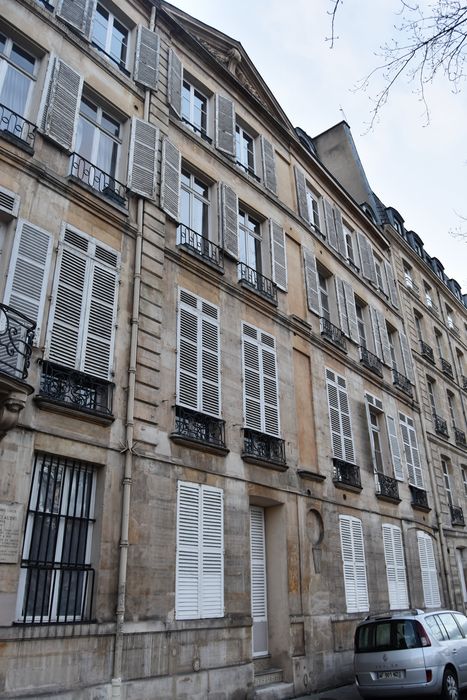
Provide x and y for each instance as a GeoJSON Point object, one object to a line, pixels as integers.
{"type": "Point", "coordinates": [127, 477]}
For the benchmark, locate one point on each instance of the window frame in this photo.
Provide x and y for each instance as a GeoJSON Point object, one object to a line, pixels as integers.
{"type": "Point", "coordinates": [6, 62]}
{"type": "Point", "coordinates": [189, 120]}
{"type": "Point", "coordinates": [105, 50]}
{"type": "Point", "coordinates": [244, 133]}
{"type": "Point", "coordinates": [192, 194]}
{"type": "Point", "coordinates": [99, 131]}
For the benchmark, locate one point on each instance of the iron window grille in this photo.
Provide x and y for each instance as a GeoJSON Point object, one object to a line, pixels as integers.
{"type": "Point", "coordinates": [263, 447]}
{"type": "Point", "coordinates": [446, 367]}
{"type": "Point", "coordinates": [441, 426]}
{"type": "Point", "coordinates": [16, 128]}
{"type": "Point", "coordinates": [333, 334]}
{"type": "Point", "coordinates": [201, 246]}
{"type": "Point", "coordinates": [459, 436]}
{"type": "Point", "coordinates": [457, 515]}
{"type": "Point", "coordinates": [76, 389]}
{"type": "Point", "coordinates": [16, 339]}
{"type": "Point", "coordinates": [387, 487]}
{"type": "Point", "coordinates": [255, 280]}
{"type": "Point", "coordinates": [427, 352]}
{"type": "Point", "coordinates": [98, 180]}
{"type": "Point", "coordinates": [419, 497]}
{"type": "Point", "coordinates": [402, 382]}
{"type": "Point", "coordinates": [199, 427]}
{"type": "Point", "coordinates": [57, 579]}
{"type": "Point", "coordinates": [371, 361]}
{"type": "Point", "coordinates": [346, 473]}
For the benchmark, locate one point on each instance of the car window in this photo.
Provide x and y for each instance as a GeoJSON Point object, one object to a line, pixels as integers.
{"type": "Point", "coordinates": [387, 635]}
{"type": "Point", "coordinates": [435, 629]}
{"type": "Point", "coordinates": [451, 626]}
{"type": "Point", "coordinates": [462, 622]}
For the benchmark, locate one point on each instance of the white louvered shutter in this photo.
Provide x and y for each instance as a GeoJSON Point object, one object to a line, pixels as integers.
{"type": "Point", "coordinates": [339, 417]}
{"type": "Point", "coordinates": [407, 357]}
{"type": "Point", "coordinates": [391, 284]}
{"type": "Point", "coordinates": [78, 13]}
{"type": "Point", "coordinates": [170, 179]}
{"type": "Point", "coordinates": [225, 125]}
{"type": "Point", "coordinates": [269, 165]}
{"type": "Point", "coordinates": [146, 71]}
{"type": "Point", "coordinates": [175, 83]}
{"type": "Point", "coordinates": [351, 312]}
{"type": "Point", "coordinates": [210, 361]}
{"type": "Point", "coordinates": [61, 110]}
{"type": "Point", "coordinates": [354, 565]}
{"type": "Point", "coordinates": [27, 278]}
{"type": "Point", "coordinates": [212, 552]}
{"type": "Point", "coordinates": [311, 281]}
{"type": "Point", "coordinates": [187, 575]}
{"type": "Point", "coordinates": [270, 385]}
{"type": "Point", "coordinates": [252, 380]}
{"type": "Point", "coordinates": [395, 567]}
{"type": "Point", "coordinates": [395, 448]}
{"type": "Point", "coordinates": [300, 182]}
{"type": "Point", "coordinates": [258, 580]}
{"type": "Point", "coordinates": [342, 306]}
{"type": "Point", "coordinates": [260, 394]}
{"type": "Point", "coordinates": [412, 456]}
{"type": "Point", "coordinates": [428, 570]}
{"type": "Point", "coordinates": [330, 225]}
{"type": "Point", "coordinates": [278, 255]}
{"type": "Point", "coordinates": [142, 158]}
{"type": "Point", "coordinates": [367, 261]}
{"type": "Point", "coordinates": [229, 220]}
{"type": "Point", "coordinates": [9, 204]}
{"type": "Point", "coordinates": [341, 244]}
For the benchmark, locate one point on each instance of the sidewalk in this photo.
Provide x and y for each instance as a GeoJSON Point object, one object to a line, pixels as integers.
{"type": "Point", "coordinates": [345, 692]}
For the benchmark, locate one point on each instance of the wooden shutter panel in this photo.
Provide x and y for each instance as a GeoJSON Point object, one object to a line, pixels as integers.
{"type": "Point", "coordinates": [428, 570]}
{"type": "Point", "coordinates": [370, 434]}
{"type": "Point", "coordinates": [351, 312]}
{"type": "Point", "coordinates": [300, 182]}
{"type": "Point", "coordinates": [391, 284]}
{"type": "Point", "coordinates": [353, 562]}
{"type": "Point", "coordinates": [330, 225]}
{"type": "Point", "coordinates": [384, 337]}
{"type": "Point", "coordinates": [210, 359]}
{"type": "Point", "coordinates": [61, 109]}
{"type": "Point", "coordinates": [188, 352]}
{"type": "Point", "coordinates": [367, 262]}
{"type": "Point", "coordinates": [252, 384]}
{"type": "Point", "coordinates": [395, 448]}
{"type": "Point", "coordinates": [27, 278]}
{"type": "Point", "coordinates": [395, 567]}
{"type": "Point", "coordinates": [170, 179]}
{"type": "Point", "coordinates": [375, 331]}
{"type": "Point", "coordinates": [341, 305]}
{"type": "Point", "coordinates": [270, 387]}
{"type": "Point", "coordinates": [175, 83]}
{"type": "Point", "coordinates": [225, 125]}
{"type": "Point", "coordinates": [311, 280]}
{"type": "Point", "coordinates": [146, 71]}
{"type": "Point", "coordinates": [212, 553]}
{"type": "Point", "coordinates": [407, 357]}
{"type": "Point", "coordinates": [360, 565]}
{"type": "Point", "coordinates": [187, 575]}
{"type": "Point", "coordinates": [229, 220]}
{"type": "Point", "coordinates": [78, 13]}
{"type": "Point", "coordinates": [269, 165]}
{"type": "Point", "coordinates": [142, 158]}
{"type": "Point", "coordinates": [339, 417]}
{"type": "Point", "coordinates": [341, 244]}
{"type": "Point", "coordinates": [258, 564]}
{"type": "Point", "coordinates": [409, 439]}
{"type": "Point", "coordinates": [278, 255]}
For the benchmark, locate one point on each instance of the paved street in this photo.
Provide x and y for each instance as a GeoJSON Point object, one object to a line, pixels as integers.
{"type": "Point", "coordinates": [348, 692]}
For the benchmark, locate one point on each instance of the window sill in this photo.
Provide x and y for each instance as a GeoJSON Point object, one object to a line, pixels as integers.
{"type": "Point", "coordinates": [202, 258]}
{"type": "Point", "coordinates": [82, 413]}
{"type": "Point", "coordinates": [19, 143]}
{"type": "Point", "coordinates": [108, 200]}
{"type": "Point", "coordinates": [346, 487]}
{"type": "Point", "coordinates": [200, 445]}
{"type": "Point", "coordinates": [388, 499]}
{"type": "Point", "coordinates": [311, 476]}
{"type": "Point", "coordinates": [270, 464]}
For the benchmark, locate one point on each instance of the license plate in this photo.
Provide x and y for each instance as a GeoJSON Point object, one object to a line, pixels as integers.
{"type": "Point", "coordinates": [390, 674]}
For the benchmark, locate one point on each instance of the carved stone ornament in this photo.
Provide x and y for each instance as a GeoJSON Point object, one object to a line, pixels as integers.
{"type": "Point", "coordinates": [11, 406]}
{"type": "Point", "coordinates": [232, 61]}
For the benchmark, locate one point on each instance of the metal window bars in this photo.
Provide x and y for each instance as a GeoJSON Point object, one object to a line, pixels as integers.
{"type": "Point", "coordinates": [16, 128]}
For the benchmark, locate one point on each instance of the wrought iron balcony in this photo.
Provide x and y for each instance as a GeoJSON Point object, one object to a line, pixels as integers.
{"type": "Point", "coordinates": [371, 361]}
{"type": "Point", "coordinates": [402, 382]}
{"type": "Point", "coordinates": [446, 367]}
{"type": "Point", "coordinates": [411, 285]}
{"type": "Point", "coordinates": [419, 498]}
{"type": "Point", "coordinates": [387, 487]}
{"type": "Point", "coordinates": [17, 129]}
{"type": "Point", "coordinates": [199, 427]}
{"type": "Point", "coordinates": [97, 179]}
{"type": "Point", "coordinates": [427, 351]}
{"type": "Point", "coordinates": [333, 334]}
{"type": "Point", "coordinates": [259, 447]}
{"type": "Point", "coordinates": [255, 280]}
{"type": "Point", "coordinates": [459, 436]}
{"type": "Point", "coordinates": [197, 130]}
{"type": "Point", "coordinates": [457, 515]}
{"type": "Point", "coordinates": [200, 245]}
{"type": "Point", "coordinates": [16, 339]}
{"type": "Point", "coordinates": [76, 390]}
{"type": "Point", "coordinates": [441, 426]}
{"type": "Point", "coordinates": [346, 474]}
{"type": "Point", "coordinates": [430, 303]}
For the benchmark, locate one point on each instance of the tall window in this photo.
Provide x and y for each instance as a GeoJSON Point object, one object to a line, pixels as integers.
{"type": "Point", "coordinates": [194, 108]}
{"type": "Point", "coordinates": [430, 383]}
{"type": "Point", "coordinates": [408, 275]}
{"type": "Point", "coordinates": [339, 417]}
{"type": "Point", "coordinates": [447, 480]}
{"type": "Point", "coordinates": [353, 563]}
{"type": "Point", "coordinates": [464, 479]}
{"type": "Point", "coordinates": [360, 323]}
{"type": "Point", "coordinates": [452, 407]}
{"type": "Point", "coordinates": [57, 580]}
{"type": "Point", "coordinates": [323, 292]}
{"type": "Point", "coordinates": [194, 203]}
{"type": "Point", "coordinates": [428, 570]}
{"type": "Point", "coordinates": [244, 149]}
{"type": "Point", "coordinates": [418, 325]}
{"type": "Point", "coordinates": [375, 429]}
{"type": "Point", "coordinates": [249, 240]}
{"type": "Point", "coordinates": [98, 138]}
{"type": "Point", "coordinates": [313, 207]}
{"type": "Point", "coordinates": [349, 245]}
{"type": "Point", "coordinates": [17, 70]}
{"type": "Point", "coordinates": [110, 36]}
{"type": "Point", "coordinates": [428, 295]}
{"type": "Point", "coordinates": [199, 576]}
{"type": "Point", "coordinates": [392, 334]}
{"type": "Point", "coordinates": [395, 567]}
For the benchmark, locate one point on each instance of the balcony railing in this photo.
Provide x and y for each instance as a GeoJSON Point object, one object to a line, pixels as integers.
{"type": "Point", "coordinates": [119, 63]}
{"type": "Point", "coordinates": [387, 487]}
{"type": "Point", "coordinates": [197, 130]}
{"type": "Point", "coordinates": [446, 367]}
{"type": "Point", "coordinates": [441, 426]}
{"type": "Point", "coordinates": [76, 390]}
{"type": "Point", "coordinates": [333, 334]}
{"type": "Point", "coordinates": [347, 474]}
{"type": "Point", "coordinates": [248, 170]}
{"type": "Point", "coordinates": [372, 362]}
{"type": "Point", "coordinates": [459, 436]}
{"type": "Point", "coordinates": [193, 425]}
{"type": "Point", "coordinates": [427, 351]}
{"type": "Point", "coordinates": [200, 245]}
{"type": "Point", "coordinates": [419, 498]}
{"type": "Point", "coordinates": [16, 128]}
{"type": "Point", "coordinates": [16, 339]}
{"type": "Point", "coordinates": [254, 279]}
{"type": "Point", "coordinates": [97, 179]}
{"type": "Point", "coordinates": [263, 448]}
{"type": "Point", "coordinates": [457, 515]}
{"type": "Point", "coordinates": [402, 382]}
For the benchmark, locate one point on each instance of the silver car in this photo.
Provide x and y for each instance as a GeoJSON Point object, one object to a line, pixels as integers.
{"type": "Point", "coordinates": [414, 653]}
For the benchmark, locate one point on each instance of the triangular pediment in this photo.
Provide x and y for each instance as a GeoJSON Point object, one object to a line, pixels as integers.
{"type": "Point", "coordinates": [231, 55]}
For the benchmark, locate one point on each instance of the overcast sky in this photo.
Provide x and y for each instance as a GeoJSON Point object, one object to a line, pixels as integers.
{"type": "Point", "coordinates": [419, 169]}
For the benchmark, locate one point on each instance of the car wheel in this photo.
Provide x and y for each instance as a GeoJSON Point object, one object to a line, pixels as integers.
{"type": "Point", "coordinates": [450, 689]}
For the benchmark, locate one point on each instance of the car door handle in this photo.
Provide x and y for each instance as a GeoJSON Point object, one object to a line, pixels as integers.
{"type": "Point", "coordinates": [454, 651]}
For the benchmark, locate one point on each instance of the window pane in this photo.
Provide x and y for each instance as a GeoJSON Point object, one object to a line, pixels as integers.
{"type": "Point", "coordinates": [107, 154]}
{"type": "Point", "coordinates": [186, 100]}
{"type": "Point", "coordinates": [84, 138]}
{"type": "Point", "coordinates": [110, 125]}
{"type": "Point", "coordinates": [22, 59]}
{"type": "Point", "coordinates": [15, 90]}
{"type": "Point", "coordinates": [88, 109]}
{"type": "Point", "coordinates": [2, 43]}
{"type": "Point", "coordinates": [200, 188]}
{"type": "Point", "coordinates": [198, 216]}
{"type": "Point", "coordinates": [199, 110]}
{"type": "Point", "coordinates": [100, 27]}
{"type": "Point", "coordinates": [118, 42]}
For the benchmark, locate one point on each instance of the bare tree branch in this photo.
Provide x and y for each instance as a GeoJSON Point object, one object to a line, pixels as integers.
{"type": "Point", "coordinates": [333, 13]}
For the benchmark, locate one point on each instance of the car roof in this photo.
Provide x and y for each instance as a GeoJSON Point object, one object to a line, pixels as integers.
{"type": "Point", "coordinates": [403, 615]}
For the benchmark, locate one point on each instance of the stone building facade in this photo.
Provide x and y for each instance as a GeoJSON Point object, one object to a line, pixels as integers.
{"type": "Point", "coordinates": [223, 439]}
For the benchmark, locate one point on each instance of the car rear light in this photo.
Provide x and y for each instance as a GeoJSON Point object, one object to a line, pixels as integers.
{"type": "Point", "coordinates": [423, 635]}
{"type": "Point", "coordinates": [429, 675]}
